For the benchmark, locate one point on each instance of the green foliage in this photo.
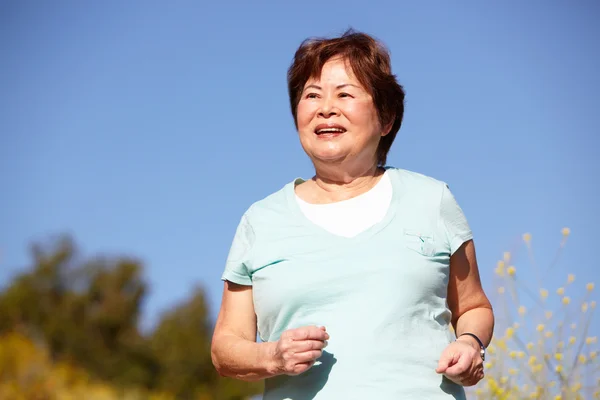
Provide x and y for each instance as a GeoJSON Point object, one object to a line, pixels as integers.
{"type": "Point", "coordinates": [83, 316]}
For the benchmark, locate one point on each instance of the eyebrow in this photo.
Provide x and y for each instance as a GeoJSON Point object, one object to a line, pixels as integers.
{"type": "Point", "coordinates": [337, 87]}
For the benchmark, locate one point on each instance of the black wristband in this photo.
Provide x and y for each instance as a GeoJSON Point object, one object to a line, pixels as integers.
{"type": "Point", "coordinates": [475, 337]}
{"type": "Point", "coordinates": [481, 346]}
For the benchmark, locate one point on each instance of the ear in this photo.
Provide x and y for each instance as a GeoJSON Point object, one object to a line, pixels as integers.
{"type": "Point", "coordinates": [388, 127]}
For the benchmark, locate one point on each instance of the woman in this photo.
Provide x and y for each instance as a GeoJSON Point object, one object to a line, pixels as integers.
{"type": "Point", "coordinates": [352, 278]}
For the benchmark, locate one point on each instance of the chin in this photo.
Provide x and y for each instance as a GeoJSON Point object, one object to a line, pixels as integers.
{"type": "Point", "coordinates": [328, 157]}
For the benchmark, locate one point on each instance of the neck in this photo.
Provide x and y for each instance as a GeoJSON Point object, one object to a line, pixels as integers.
{"type": "Point", "coordinates": [341, 184]}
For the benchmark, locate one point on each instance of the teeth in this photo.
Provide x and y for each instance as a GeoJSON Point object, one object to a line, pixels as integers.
{"type": "Point", "coordinates": [330, 130]}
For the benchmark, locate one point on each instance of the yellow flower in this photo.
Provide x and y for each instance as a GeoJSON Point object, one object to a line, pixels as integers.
{"type": "Point", "coordinates": [590, 286]}
{"type": "Point", "coordinates": [513, 354]}
{"type": "Point", "coordinates": [522, 310]}
{"type": "Point", "coordinates": [558, 368]}
{"type": "Point", "coordinates": [590, 340]}
{"type": "Point", "coordinates": [530, 345]}
{"type": "Point", "coordinates": [527, 237]}
{"type": "Point", "coordinates": [543, 294]}
{"type": "Point", "coordinates": [509, 332]}
{"type": "Point", "coordinates": [501, 290]}
{"type": "Point", "coordinates": [570, 278]}
{"type": "Point", "coordinates": [503, 380]}
{"type": "Point", "coordinates": [548, 314]}
{"type": "Point", "coordinates": [566, 231]}
{"type": "Point", "coordinates": [593, 304]}
{"type": "Point", "coordinates": [521, 354]}
{"type": "Point", "coordinates": [584, 307]}
{"type": "Point", "coordinates": [572, 340]}
{"type": "Point", "coordinates": [538, 368]}
{"type": "Point", "coordinates": [488, 365]}
{"type": "Point", "coordinates": [500, 268]}
{"type": "Point", "coordinates": [558, 356]}
{"type": "Point", "coordinates": [566, 300]}
{"type": "Point", "coordinates": [540, 328]}
{"type": "Point", "coordinates": [516, 325]}
{"type": "Point", "coordinates": [582, 359]}
{"type": "Point", "coordinates": [573, 326]}
{"type": "Point", "coordinates": [593, 354]}
{"type": "Point", "coordinates": [576, 387]}
{"type": "Point", "coordinates": [560, 291]}
{"type": "Point", "coordinates": [560, 344]}
{"type": "Point", "coordinates": [549, 334]}
{"type": "Point", "coordinates": [512, 371]}
{"type": "Point", "coordinates": [511, 270]}
{"type": "Point", "coordinates": [506, 256]}
{"type": "Point", "coordinates": [558, 397]}
{"type": "Point", "coordinates": [532, 360]}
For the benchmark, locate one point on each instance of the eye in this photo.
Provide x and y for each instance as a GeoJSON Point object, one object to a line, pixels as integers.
{"type": "Point", "coordinates": [343, 94]}
{"type": "Point", "coordinates": [311, 96]}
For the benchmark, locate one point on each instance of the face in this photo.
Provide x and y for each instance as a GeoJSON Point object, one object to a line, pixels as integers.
{"type": "Point", "coordinates": [337, 120]}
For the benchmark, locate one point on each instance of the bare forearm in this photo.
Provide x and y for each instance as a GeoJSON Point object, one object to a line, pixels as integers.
{"type": "Point", "coordinates": [243, 359]}
{"type": "Point", "coordinates": [478, 321]}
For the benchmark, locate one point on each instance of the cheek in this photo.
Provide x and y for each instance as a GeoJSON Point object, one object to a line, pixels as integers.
{"type": "Point", "coordinates": [304, 114]}
{"type": "Point", "coordinates": [363, 115]}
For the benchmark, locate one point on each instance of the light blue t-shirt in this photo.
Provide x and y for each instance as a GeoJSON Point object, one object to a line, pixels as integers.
{"type": "Point", "coordinates": [381, 294]}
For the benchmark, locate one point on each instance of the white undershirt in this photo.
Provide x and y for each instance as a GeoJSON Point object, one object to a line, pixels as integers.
{"type": "Point", "coordinates": [350, 217]}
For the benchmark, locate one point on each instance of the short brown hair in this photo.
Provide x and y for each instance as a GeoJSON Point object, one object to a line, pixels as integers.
{"type": "Point", "coordinates": [370, 62]}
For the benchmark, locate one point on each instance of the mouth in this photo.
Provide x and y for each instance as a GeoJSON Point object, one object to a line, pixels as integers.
{"type": "Point", "coordinates": [329, 130]}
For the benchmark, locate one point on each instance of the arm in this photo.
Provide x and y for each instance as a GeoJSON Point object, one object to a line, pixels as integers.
{"type": "Point", "coordinates": [236, 354]}
{"type": "Point", "coordinates": [471, 309]}
{"type": "Point", "coordinates": [234, 350]}
{"type": "Point", "coordinates": [472, 313]}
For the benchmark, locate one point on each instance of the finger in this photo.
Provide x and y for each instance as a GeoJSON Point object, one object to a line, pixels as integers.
{"type": "Point", "coordinates": [301, 367]}
{"type": "Point", "coordinates": [307, 345]}
{"type": "Point", "coordinates": [470, 379]}
{"type": "Point", "coordinates": [461, 365]}
{"type": "Point", "coordinates": [307, 356]}
{"type": "Point", "coordinates": [445, 361]}
{"type": "Point", "coordinates": [309, 333]}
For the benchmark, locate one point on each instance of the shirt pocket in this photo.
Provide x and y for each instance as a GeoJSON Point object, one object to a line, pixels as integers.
{"type": "Point", "coordinates": [420, 242]}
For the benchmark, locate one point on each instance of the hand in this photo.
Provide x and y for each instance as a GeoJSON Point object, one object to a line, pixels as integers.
{"type": "Point", "coordinates": [461, 362]}
{"type": "Point", "coordinates": [298, 349]}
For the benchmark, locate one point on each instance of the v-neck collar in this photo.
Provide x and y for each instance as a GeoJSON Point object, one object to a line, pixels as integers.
{"type": "Point", "coordinates": [318, 230]}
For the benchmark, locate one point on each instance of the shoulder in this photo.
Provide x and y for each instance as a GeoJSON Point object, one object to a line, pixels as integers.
{"type": "Point", "coordinates": [271, 207]}
{"type": "Point", "coordinates": [417, 184]}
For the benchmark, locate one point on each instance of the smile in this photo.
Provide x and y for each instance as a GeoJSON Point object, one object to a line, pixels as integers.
{"type": "Point", "coordinates": [329, 129]}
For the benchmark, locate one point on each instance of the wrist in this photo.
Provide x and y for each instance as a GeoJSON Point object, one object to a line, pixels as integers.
{"type": "Point", "coordinates": [470, 341]}
{"type": "Point", "coordinates": [474, 341]}
{"type": "Point", "coordinates": [270, 362]}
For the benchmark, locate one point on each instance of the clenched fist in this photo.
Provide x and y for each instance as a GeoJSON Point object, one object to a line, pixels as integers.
{"type": "Point", "coordinates": [298, 349]}
{"type": "Point", "coordinates": [461, 363]}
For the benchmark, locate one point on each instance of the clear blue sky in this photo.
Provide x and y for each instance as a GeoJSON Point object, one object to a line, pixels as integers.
{"type": "Point", "coordinates": [147, 128]}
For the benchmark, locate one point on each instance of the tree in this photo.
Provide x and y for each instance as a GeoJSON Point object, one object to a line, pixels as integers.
{"type": "Point", "coordinates": [28, 373]}
{"type": "Point", "coordinates": [181, 342]}
{"type": "Point", "coordinates": [83, 315]}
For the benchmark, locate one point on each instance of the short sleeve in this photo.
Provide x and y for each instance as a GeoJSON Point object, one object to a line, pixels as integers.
{"type": "Point", "coordinates": [453, 221]}
{"type": "Point", "coordinates": [236, 270]}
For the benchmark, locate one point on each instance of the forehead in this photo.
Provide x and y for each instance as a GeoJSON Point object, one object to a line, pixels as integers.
{"type": "Point", "coordinates": [335, 70]}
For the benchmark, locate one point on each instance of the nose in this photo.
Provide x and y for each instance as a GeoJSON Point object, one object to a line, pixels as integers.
{"type": "Point", "coordinates": [328, 107]}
